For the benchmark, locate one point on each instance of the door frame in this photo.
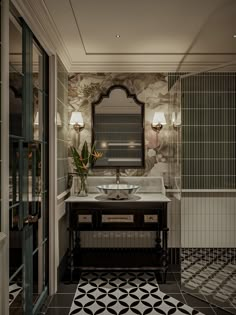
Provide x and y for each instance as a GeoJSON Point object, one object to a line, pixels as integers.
{"type": "Point", "coordinates": [29, 43]}
{"type": "Point", "coordinates": [51, 51]}
{"type": "Point", "coordinates": [32, 12]}
{"type": "Point", "coordinates": [53, 251]}
{"type": "Point", "coordinates": [5, 167]}
{"type": "Point", "coordinates": [4, 305]}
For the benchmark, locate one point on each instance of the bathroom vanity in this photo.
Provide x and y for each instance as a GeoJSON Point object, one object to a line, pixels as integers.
{"type": "Point", "coordinates": [144, 211]}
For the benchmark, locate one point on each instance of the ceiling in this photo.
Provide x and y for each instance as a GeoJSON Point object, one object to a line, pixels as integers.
{"type": "Point", "coordinates": [164, 35]}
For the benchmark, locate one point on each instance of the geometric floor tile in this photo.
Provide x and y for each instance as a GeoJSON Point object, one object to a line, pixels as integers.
{"type": "Point", "coordinates": [121, 293]}
{"type": "Point", "coordinates": [14, 290]}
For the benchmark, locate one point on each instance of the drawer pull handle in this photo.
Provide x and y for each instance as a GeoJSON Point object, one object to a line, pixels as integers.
{"type": "Point", "coordinates": [117, 218]}
{"type": "Point", "coordinates": [150, 218]}
{"type": "Point", "coordinates": [85, 218]}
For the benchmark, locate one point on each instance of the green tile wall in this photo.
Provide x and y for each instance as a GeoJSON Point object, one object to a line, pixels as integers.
{"type": "Point", "coordinates": [208, 131]}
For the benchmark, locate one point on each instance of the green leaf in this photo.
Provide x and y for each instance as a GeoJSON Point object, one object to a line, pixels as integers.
{"type": "Point", "coordinates": [77, 160]}
{"type": "Point", "coordinates": [85, 153]}
{"type": "Point", "coordinates": [82, 161]}
{"type": "Point", "coordinates": [91, 157]}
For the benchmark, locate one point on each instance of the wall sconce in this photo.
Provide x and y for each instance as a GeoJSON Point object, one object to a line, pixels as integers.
{"type": "Point", "coordinates": [176, 120]}
{"type": "Point", "coordinates": [158, 121]}
{"type": "Point", "coordinates": [77, 121]}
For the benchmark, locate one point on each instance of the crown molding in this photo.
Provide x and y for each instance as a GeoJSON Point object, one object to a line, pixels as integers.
{"type": "Point", "coordinates": [144, 67]}
{"type": "Point", "coordinates": [36, 15]}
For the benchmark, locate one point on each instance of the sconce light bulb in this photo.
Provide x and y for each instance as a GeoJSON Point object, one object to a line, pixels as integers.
{"type": "Point", "coordinates": [77, 121]}
{"type": "Point", "coordinates": [158, 121]}
{"type": "Point", "coordinates": [176, 120]}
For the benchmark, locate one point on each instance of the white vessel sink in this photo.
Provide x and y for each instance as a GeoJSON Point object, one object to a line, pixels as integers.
{"type": "Point", "coordinates": [118, 191]}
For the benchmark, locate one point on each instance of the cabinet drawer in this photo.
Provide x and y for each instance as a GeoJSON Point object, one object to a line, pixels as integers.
{"type": "Point", "coordinates": [150, 218]}
{"type": "Point", "coordinates": [117, 218]}
{"type": "Point", "coordinates": [85, 218]}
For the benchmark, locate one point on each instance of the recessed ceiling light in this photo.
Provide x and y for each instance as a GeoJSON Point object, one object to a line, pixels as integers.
{"type": "Point", "coordinates": [117, 36]}
{"type": "Point", "coordinates": [234, 36]}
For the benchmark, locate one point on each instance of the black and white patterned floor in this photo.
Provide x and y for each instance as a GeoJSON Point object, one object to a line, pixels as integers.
{"type": "Point", "coordinates": [121, 293]}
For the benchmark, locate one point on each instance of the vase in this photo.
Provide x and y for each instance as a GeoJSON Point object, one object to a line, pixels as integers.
{"type": "Point", "coordinates": [83, 191]}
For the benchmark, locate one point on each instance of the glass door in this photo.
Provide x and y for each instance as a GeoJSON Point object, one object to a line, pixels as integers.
{"type": "Point", "coordinates": [28, 211]}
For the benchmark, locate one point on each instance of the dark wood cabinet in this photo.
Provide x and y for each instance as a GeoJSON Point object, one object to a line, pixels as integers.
{"type": "Point", "coordinates": [118, 216]}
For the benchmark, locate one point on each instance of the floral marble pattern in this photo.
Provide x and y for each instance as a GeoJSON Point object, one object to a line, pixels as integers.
{"type": "Point", "coordinates": [150, 88]}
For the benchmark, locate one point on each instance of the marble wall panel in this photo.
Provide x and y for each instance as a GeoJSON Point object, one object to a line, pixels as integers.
{"type": "Point", "coordinates": [150, 88]}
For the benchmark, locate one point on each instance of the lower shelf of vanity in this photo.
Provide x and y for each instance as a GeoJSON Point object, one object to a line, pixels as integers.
{"type": "Point", "coordinates": [118, 257]}
{"type": "Point", "coordinates": [140, 259]}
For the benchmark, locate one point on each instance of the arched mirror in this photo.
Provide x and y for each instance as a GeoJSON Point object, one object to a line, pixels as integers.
{"type": "Point", "coordinates": [118, 129]}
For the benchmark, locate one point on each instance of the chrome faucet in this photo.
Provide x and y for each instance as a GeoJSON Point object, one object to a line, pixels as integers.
{"type": "Point", "coordinates": [117, 176]}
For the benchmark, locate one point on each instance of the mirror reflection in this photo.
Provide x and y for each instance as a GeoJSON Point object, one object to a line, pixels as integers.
{"type": "Point", "coordinates": [118, 129]}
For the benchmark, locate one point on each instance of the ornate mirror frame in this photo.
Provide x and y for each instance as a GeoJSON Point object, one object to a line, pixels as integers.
{"type": "Point", "coordinates": [134, 148]}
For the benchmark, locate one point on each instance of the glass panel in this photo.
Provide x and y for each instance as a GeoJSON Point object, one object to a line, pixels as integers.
{"type": "Point", "coordinates": [35, 190]}
{"type": "Point", "coordinates": [15, 211]}
{"type": "Point", "coordinates": [208, 204]}
{"type": "Point", "coordinates": [208, 131]}
{"type": "Point", "coordinates": [15, 90]}
{"type": "Point", "coordinates": [37, 67]}
{"type": "Point", "coordinates": [16, 294]}
{"type": "Point", "coordinates": [15, 250]}
{"type": "Point", "coordinates": [38, 118]}
{"type": "Point", "coordinates": [37, 92]}
{"type": "Point", "coordinates": [14, 162]}
{"type": "Point", "coordinates": [16, 266]}
{"type": "Point", "coordinates": [40, 243]}
{"type": "Point", "coordinates": [44, 155]}
{"type": "Point", "coordinates": [38, 285]}
{"type": "Point", "coordinates": [38, 206]}
{"type": "Point", "coordinates": [15, 45]}
{"type": "Point", "coordinates": [15, 78]}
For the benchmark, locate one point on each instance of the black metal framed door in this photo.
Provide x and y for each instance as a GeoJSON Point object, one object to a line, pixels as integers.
{"type": "Point", "coordinates": [28, 162]}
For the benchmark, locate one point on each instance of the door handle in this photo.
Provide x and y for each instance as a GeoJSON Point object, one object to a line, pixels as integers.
{"type": "Point", "coordinates": [31, 219]}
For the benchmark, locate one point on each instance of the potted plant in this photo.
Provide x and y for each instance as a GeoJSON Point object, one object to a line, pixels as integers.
{"type": "Point", "coordinates": [82, 162]}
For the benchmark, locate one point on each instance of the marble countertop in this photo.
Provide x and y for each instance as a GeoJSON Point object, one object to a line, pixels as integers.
{"type": "Point", "coordinates": [144, 197]}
